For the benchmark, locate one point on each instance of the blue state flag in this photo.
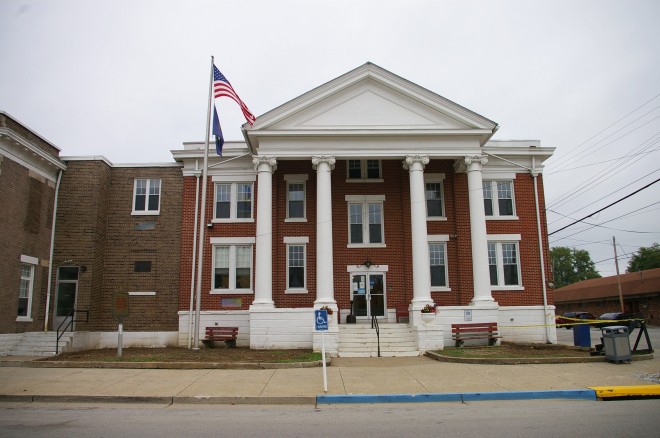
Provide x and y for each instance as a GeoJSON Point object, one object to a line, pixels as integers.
{"type": "Point", "coordinates": [217, 132]}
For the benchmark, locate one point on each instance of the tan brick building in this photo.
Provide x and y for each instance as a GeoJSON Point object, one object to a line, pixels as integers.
{"type": "Point", "coordinates": [29, 168]}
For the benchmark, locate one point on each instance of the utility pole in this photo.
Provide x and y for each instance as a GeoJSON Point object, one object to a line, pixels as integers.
{"type": "Point", "coordinates": [618, 277]}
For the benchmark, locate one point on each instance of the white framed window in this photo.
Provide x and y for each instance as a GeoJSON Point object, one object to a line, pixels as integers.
{"type": "Point", "coordinates": [232, 265]}
{"type": "Point", "coordinates": [499, 201]}
{"type": "Point", "coordinates": [26, 288]}
{"type": "Point", "coordinates": [365, 220]}
{"type": "Point", "coordinates": [364, 170]}
{"type": "Point", "coordinates": [438, 262]}
{"type": "Point", "coordinates": [435, 198]}
{"type": "Point", "coordinates": [504, 262]}
{"type": "Point", "coordinates": [146, 196]}
{"type": "Point", "coordinates": [296, 264]}
{"type": "Point", "coordinates": [296, 204]}
{"type": "Point", "coordinates": [233, 202]}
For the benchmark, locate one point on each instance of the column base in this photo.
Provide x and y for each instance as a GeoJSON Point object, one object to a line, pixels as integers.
{"type": "Point", "coordinates": [484, 302]}
{"type": "Point", "coordinates": [420, 303]}
{"type": "Point", "coordinates": [262, 304]}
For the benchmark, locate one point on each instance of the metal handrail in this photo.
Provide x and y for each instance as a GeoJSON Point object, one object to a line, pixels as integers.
{"type": "Point", "coordinates": [374, 324]}
{"type": "Point", "coordinates": [69, 319]}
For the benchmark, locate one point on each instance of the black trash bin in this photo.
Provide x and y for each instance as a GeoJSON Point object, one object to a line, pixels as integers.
{"type": "Point", "coordinates": [581, 335]}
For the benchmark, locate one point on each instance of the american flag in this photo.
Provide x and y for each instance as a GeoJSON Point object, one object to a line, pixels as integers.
{"type": "Point", "coordinates": [222, 88]}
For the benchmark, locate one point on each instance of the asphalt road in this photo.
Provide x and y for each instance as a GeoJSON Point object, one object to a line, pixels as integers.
{"type": "Point", "coordinates": [511, 419]}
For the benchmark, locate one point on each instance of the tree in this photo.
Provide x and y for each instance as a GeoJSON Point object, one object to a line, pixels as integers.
{"type": "Point", "coordinates": [571, 265]}
{"type": "Point", "coordinates": [646, 258]}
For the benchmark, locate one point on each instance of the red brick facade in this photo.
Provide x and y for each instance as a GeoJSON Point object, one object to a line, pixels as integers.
{"type": "Point", "coordinates": [397, 254]}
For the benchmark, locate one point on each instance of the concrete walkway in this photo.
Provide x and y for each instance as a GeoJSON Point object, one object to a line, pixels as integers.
{"type": "Point", "coordinates": [346, 376]}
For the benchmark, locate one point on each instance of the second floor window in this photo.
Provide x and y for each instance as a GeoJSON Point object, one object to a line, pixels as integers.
{"type": "Point", "coordinates": [365, 223]}
{"type": "Point", "coordinates": [146, 196]}
{"type": "Point", "coordinates": [498, 198]}
{"type": "Point", "coordinates": [233, 201]}
{"type": "Point", "coordinates": [296, 200]}
{"type": "Point", "coordinates": [364, 170]}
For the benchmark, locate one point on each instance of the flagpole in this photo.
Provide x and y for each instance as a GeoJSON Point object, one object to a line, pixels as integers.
{"type": "Point", "coordinates": [202, 220]}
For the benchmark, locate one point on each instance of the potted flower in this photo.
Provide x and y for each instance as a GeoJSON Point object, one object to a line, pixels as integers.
{"type": "Point", "coordinates": [329, 310]}
{"type": "Point", "coordinates": [428, 313]}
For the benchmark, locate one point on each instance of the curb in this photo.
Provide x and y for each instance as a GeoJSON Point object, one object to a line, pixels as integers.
{"type": "Point", "coordinates": [164, 365]}
{"type": "Point", "coordinates": [524, 361]}
{"type": "Point", "coordinates": [612, 392]}
{"type": "Point", "coordinates": [165, 400]}
{"type": "Point", "coordinates": [577, 394]}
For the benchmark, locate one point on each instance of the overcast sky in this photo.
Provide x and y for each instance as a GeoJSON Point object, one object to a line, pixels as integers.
{"type": "Point", "coordinates": [129, 80]}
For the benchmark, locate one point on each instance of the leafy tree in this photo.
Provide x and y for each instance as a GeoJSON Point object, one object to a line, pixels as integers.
{"type": "Point", "coordinates": [571, 265]}
{"type": "Point", "coordinates": [646, 258]}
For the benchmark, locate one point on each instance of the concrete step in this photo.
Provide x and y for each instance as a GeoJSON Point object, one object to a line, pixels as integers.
{"type": "Point", "coordinates": [360, 340]}
{"type": "Point", "coordinates": [39, 344]}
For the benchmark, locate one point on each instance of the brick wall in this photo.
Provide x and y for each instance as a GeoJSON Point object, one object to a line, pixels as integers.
{"type": "Point", "coordinates": [26, 201]}
{"type": "Point", "coordinates": [398, 250]}
{"type": "Point", "coordinates": [98, 231]}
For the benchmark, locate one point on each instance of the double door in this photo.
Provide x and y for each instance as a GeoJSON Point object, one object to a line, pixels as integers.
{"type": "Point", "coordinates": [368, 295]}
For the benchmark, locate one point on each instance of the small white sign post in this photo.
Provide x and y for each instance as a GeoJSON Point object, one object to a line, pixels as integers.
{"type": "Point", "coordinates": [321, 323]}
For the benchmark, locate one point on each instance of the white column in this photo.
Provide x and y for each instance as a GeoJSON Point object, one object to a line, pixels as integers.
{"type": "Point", "coordinates": [325, 293]}
{"type": "Point", "coordinates": [420, 246]}
{"type": "Point", "coordinates": [263, 266]}
{"type": "Point", "coordinates": [478, 234]}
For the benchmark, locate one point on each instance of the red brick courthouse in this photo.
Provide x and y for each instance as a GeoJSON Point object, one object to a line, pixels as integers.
{"type": "Point", "coordinates": [367, 194]}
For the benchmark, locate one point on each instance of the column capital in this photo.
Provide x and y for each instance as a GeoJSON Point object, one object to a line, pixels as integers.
{"type": "Point", "coordinates": [323, 159]}
{"type": "Point", "coordinates": [470, 162]}
{"type": "Point", "coordinates": [412, 160]}
{"type": "Point", "coordinates": [258, 160]}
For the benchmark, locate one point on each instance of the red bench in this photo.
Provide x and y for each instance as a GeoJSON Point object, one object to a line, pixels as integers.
{"type": "Point", "coordinates": [226, 334]}
{"type": "Point", "coordinates": [475, 330]}
{"type": "Point", "coordinates": [402, 312]}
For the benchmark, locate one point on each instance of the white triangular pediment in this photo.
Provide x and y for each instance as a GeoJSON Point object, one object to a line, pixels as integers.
{"type": "Point", "coordinates": [377, 107]}
{"type": "Point", "coordinates": [369, 105]}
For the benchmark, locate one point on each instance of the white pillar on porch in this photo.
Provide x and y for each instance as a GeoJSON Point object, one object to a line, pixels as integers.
{"type": "Point", "coordinates": [263, 266]}
{"type": "Point", "coordinates": [325, 294]}
{"type": "Point", "coordinates": [420, 246]}
{"type": "Point", "coordinates": [478, 234]}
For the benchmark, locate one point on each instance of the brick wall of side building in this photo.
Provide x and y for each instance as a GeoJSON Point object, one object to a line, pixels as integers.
{"type": "Point", "coordinates": [26, 214]}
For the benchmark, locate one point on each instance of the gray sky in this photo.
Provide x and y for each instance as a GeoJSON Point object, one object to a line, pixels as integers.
{"type": "Point", "coordinates": [129, 80]}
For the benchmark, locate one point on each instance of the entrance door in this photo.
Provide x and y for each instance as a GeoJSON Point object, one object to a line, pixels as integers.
{"type": "Point", "coordinates": [67, 289]}
{"type": "Point", "coordinates": [368, 294]}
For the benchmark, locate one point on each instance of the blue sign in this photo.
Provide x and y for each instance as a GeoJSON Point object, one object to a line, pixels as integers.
{"type": "Point", "coordinates": [321, 320]}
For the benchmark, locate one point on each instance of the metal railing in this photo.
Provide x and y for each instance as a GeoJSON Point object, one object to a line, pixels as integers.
{"type": "Point", "coordinates": [69, 319]}
{"type": "Point", "coordinates": [374, 325]}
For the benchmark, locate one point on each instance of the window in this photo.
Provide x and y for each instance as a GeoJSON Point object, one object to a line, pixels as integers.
{"type": "Point", "coordinates": [438, 257]}
{"type": "Point", "coordinates": [146, 196]}
{"type": "Point", "coordinates": [25, 292]}
{"type": "Point", "coordinates": [142, 266]}
{"type": "Point", "coordinates": [369, 170]}
{"type": "Point", "coordinates": [504, 265]}
{"type": "Point", "coordinates": [498, 198]}
{"type": "Point", "coordinates": [365, 219]}
{"type": "Point", "coordinates": [232, 268]}
{"type": "Point", "coordinates": [295, 267]}
{"type": "Point", "coordinates": [233, 201]}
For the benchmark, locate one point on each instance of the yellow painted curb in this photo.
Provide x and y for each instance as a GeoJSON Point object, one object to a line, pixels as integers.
{"type": "Point", "coordinates": [626, 391]}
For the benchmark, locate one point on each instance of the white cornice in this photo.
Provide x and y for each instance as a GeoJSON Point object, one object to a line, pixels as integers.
{"type": "Point", "coordinates": [28, 155]}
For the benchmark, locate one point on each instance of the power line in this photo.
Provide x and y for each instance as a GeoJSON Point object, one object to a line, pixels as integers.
{"type": "Point", "coordinates": [606, 207]}
{"type": "Point", "coordinates": [603, 130]}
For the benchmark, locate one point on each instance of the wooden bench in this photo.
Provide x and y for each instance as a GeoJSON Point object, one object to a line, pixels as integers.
{"type": "Point", "coordinates": [227, 334]}
{"type": "Point", "coordinates": [402, 312]}
{"type": "Point", "coordinates": [475, 330]}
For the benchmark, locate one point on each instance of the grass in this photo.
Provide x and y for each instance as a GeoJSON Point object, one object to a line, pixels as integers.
{"type": "Point", "coordinates": [514, 351]}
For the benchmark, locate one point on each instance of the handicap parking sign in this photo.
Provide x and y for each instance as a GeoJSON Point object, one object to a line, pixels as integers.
{"type": "Point", "coordinates": [321, 320]}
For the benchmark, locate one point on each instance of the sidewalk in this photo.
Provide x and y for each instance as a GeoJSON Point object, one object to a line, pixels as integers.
{"type": "Point", "coordinates": [346, 377]}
